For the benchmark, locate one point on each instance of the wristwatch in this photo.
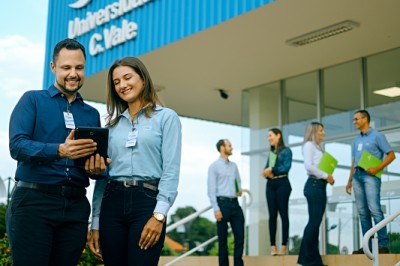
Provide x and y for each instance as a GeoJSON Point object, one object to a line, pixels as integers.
{"type": "Point", "coordinates": [159, 217]}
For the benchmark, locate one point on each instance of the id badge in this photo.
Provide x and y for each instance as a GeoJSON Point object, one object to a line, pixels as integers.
{"type": "Point", "coordinates": [69, 120]}
{"type": "Point", "coordinates": [360, 145]}
{"type": "Point", "coordinates": [132, 137]}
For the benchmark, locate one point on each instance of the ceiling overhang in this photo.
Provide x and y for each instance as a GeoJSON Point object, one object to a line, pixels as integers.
{"type": "Point", "coordinates": [251, 50]}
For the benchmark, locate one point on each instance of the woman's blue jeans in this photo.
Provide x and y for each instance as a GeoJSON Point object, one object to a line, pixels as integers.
{"type": "Point", "coordinates": [315, 193]}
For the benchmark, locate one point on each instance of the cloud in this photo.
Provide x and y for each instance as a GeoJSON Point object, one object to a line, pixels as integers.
{"type": "Point", "coordinates": [21, 65]}
{"type": "Point", "coordinates": [21, 69]}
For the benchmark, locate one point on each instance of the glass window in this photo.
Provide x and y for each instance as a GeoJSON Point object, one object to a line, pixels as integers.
{"type": "Point", "coordinates": [300, 103]}
{"type": "Point", "coordinates": [262, 113]}
{"type": "Point", "coordinates": [342, 86]}
{"type": "Point", "coordinates": [339, 228]}
{"type": "Point", "coordinates": [383, 72]}
{"type": "Point", "coordinates": [293, 103]}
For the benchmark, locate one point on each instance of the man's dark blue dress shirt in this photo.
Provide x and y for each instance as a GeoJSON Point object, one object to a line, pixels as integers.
{"type": "Point", "coordinates": [37, 128]}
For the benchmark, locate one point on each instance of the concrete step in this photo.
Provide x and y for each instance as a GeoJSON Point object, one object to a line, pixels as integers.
{"type": "Point", "coordinates": [290, 260]}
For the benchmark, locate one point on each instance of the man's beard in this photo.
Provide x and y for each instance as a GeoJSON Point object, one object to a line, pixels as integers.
{"type": "Point", "coordinates": [70, 91]}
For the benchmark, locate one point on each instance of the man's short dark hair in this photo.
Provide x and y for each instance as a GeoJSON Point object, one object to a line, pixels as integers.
{"type": "Point", "coordinates": [364, 113]}
{"type": "Point", "coordinates": [220, 143]}
{"type": "Point", "coordinates": [69, 44]}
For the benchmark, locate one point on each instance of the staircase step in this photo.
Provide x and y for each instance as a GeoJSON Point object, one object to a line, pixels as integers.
{"type": "Point", "coordinates": [289, 260]}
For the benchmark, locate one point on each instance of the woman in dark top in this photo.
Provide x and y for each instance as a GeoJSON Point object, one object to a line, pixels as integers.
{"type": "Point", "coordinates": [278, 188]}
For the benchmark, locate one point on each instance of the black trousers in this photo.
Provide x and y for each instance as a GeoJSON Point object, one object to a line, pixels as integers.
{"type": "Point", "coordinates": [231, 213]}
{"type": "Point", "coordinates": [124, 213]}
{"type": "Point", "coordinates": [278, 193]}
{"type": "Point", "coordinates": [47, 227]}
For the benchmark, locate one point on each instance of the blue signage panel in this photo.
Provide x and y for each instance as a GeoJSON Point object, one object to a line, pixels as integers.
{"type": "Point", "coordinates": [111, 29]}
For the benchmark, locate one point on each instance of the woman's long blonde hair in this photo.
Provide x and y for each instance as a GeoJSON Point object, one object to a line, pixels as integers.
{"type": "Point", "coordinates": [312, 131]}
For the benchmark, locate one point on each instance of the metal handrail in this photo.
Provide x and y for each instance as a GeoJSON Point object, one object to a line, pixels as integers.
{"type": "Point", "coordinates": [187, 219]}
{"type": "Point", "coordinates": [374, 255]}
{"type": "Point", "coordinates": [194, 216]}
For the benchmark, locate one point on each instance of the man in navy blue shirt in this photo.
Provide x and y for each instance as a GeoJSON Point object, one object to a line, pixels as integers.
{"type": "Point", "coordinates": [224, 186]}
{"type": "Point", "coordinates": [47, 218]}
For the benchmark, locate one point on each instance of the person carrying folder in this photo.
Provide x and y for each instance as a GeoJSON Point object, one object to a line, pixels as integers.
{"type": "Point", "coordinates": [315, 193]}
{"type": "Point", "coordinates": [224, 186]}
{"type": "Point", "coordinates": [278, 188]}
{"type": "Point", "coordinates": [365, 181]}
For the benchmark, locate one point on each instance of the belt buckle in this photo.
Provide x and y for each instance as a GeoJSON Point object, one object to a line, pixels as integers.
{"type": "Point", "coordinates": [130, 183]}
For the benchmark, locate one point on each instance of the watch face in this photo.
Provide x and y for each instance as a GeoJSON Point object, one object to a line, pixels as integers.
{"type": "Point", "coordinates": [159, 216]}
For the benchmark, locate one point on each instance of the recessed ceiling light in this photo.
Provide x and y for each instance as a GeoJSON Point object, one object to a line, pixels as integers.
{"type": "Point", "coordinates": [323, 33]}
{"type": "Point", "coordinates": [389, 92]}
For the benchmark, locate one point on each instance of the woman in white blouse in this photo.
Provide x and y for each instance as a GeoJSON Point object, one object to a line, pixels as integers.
{"type": "Point", "coordinates": [315, 193]}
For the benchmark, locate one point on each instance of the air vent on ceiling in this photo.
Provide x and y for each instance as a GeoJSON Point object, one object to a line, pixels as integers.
{"type": "Point", "coordinates": [323, 33]}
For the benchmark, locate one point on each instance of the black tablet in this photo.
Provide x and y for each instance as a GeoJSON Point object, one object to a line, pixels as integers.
{"type": "Point", "coordinates": [98, 135]}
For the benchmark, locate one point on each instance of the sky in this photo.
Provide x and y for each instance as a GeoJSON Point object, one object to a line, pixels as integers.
{"type": "Point", "coordinates": [22, 49]}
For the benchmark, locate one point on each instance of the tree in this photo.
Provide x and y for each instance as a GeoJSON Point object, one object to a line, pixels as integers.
{"type": "Point", "coordinates": [3, 209]}
{"type": "Point", "coordinates": [231, 243]}
{"type": "Point", "coordinates": [296, 240]}
{"type": "Point", "coordinates": [196, 231]}
{"type": "Point", "coordinates": [332, 249]}
{"type": "Point", "coordinates": [394, 242]}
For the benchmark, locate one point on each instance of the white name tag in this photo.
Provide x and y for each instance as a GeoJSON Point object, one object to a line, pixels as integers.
{"type": "Point", "coordinates": [69, 120]}
{"type": "Point", "coordinates": [132, 137]}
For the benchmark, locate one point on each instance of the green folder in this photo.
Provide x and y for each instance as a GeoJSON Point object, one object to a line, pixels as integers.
{"type": "Point", "coordinates": [367, 160]}
{"type": "Point", "coordinates": [328, 163]}
{"type": "Point", "coordinates": [271, 159]}
{"type": "Point", "coordinates": [237, 186]}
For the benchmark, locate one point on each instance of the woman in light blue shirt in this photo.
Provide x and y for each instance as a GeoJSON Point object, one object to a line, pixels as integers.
{"type": "Point", "coordinates": [131, 205]}
{"type": "Point", "coordinates": [315, 193]}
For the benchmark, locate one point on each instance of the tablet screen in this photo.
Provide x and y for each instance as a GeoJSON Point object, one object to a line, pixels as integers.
{"type": "Point", "coordinates": [98, 135]}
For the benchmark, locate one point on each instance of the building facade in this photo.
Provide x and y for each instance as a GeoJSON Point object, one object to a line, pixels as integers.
{"type": "Point", "coordinates": [258, 64]}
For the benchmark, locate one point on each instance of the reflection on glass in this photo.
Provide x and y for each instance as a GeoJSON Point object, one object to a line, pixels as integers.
{"type": "Point", "coordinates": [341, 97]}
{"type": "Point", "coordinates": [383, 72]}
{"type": "Point", "coordinates": [300, 97]}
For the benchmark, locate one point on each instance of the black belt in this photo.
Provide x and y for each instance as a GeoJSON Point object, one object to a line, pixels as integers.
{"type": "Point", "coordinates": [358, 168]}
{"type": "Point", "coordinates": [317, 179]}
{"type": "Point", "coordinates": [149, 184]}
{"type": "Point", "coordinates": [226, 199]}
{"type": "Point", "coordinates": [68, 191]}
{"type": "Point", "coordinates": [276, 177]}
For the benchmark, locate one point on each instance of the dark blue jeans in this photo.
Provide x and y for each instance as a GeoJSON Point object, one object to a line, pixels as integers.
{"type": "Point", "coordinates": [367, 192]}
{"type": "Point", "coordinates": [315, 193]}
{"type": "Point", "coordinates": [124, 213]}
{"type": "Point", "coordinates": [231, 213]}
{"type": "Point", "coordinates": [47, 227]}
{"type": "Point", "coordinates": [278, 193]}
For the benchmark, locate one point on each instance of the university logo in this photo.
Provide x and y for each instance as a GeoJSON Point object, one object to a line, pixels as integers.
{"type": "Point", "coordinates": [80, 3]}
